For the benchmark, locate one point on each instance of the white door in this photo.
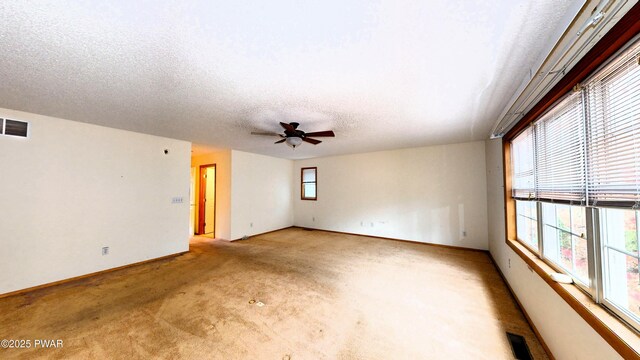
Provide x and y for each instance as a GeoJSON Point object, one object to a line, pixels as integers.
{"type": "Point", "coordinates": [210, 201]}
{"type": "Point", "coordinates": [192, 202]}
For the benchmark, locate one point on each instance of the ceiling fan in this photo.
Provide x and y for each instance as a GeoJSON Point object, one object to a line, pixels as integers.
{"type": "Point", "coordinates": [294, 137]}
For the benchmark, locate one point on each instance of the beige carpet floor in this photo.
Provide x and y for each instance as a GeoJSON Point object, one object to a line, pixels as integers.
{"type": "Point", "coordinates": [324, 296]}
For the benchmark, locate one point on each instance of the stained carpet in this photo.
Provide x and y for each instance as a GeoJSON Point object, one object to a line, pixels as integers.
{"type": "Point", "coordinates": [290, 294]}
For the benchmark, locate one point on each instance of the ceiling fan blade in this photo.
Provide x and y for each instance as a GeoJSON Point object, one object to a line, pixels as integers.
{"type": "Point", "coordinates": [312, 141]}
{"type": "Point", "coordinates": [265, 133]}
{"type": "Point", "coordinates": [288, 127]}
{"type": "Point", "coordinates": [280, 141]}
{"type": "Point", "coordinates": [328, 133]}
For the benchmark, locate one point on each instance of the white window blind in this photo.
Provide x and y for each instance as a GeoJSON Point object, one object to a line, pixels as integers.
{"type": "Point", "coordinates": [560, 152]}
{"type": "Point", "coordinates": [586, 148]}
{"type": "Point", "coordinates": [523, 179]}
{"type": "Point", "coordinates": [614, 134]}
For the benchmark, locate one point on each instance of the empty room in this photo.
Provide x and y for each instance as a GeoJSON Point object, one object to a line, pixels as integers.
{"type": "Point", "coordinates": [320, 179]}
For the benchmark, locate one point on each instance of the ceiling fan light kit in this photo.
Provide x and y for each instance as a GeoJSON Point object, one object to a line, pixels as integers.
{"type": "Point", "coordinates": [294, 137]}
{"type": "Point", "coordinates": [294, 141]}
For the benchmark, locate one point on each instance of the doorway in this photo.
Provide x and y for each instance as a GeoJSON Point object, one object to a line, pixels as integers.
{"type": "Point", "coordinates": [192, 203]}
{"type": "Point", "coordinates": [207, 201]}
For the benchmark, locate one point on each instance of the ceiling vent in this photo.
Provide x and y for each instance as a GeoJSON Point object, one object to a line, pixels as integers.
{"type": "Point", "coordinates": [14, 127]}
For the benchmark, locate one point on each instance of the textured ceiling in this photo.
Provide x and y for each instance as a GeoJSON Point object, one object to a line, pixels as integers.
{"type": "Point", "coordinates": [381, 74]}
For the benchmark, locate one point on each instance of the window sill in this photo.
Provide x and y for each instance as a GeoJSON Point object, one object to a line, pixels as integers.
{"type": "Point", "coordinates": [615, 332]}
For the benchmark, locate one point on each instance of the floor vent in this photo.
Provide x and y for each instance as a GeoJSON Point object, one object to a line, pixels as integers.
{"type": "Point", "coordinates": [519, 347]}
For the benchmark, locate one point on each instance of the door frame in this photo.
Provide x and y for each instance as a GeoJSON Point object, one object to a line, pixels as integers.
{"type": "Point", "coordinates": [201, 197]}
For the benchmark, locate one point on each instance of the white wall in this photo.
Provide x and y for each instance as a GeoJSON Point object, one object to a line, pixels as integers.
{"type": "Point", "coordinates": [565, 332]}
{"type": "Point", "coordinates": [72, 188]}
{"type": "Point", "coordinates": [222, 160]}
{"type": "Point", "coordinates": [261, 196]}
{"type": "Point", "coordinates": [429, 194]}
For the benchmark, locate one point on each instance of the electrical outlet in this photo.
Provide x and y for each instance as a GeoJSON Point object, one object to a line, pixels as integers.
{"type": "Point", "coordinates": [464, 234]}
{"type": "Point", "coordinates": [313, 218]}
{"type": "Point", "coordinates": [177, 200]}
{"type": "Point", "coordinates": [105, 250]}
{"type": "Point", "coordinates": [250, 224]}
{"type": "Point", "coordinates": [509, 263]}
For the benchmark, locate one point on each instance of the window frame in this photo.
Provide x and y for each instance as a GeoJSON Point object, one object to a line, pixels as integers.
{"type": "Point", "coordinates": [608, 324]}
{"type": "Point", "coordinates": [588, 288]}
{"type": "Point", "coordinates": [595, 251]}
{"type": "Point", "coordinates": [604, 249]}
{"type": "Point", "coordinates": [537, 250]}
{"type": "Point", "coordinates": [302, 182]}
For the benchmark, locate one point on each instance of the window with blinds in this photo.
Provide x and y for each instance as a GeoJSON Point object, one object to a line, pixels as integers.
{"type": "Point", "coordinates": [586, 149]}
{"type": "Point", "coordinates": [584, 153]}
{"type": "Point", "coordinates": [614, 134]}
{"type": "Point", "coordinates": [560, 156]}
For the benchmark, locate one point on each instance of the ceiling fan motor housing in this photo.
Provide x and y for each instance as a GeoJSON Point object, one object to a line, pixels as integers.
{"type": "Point", "coordinates": [296, 133]}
